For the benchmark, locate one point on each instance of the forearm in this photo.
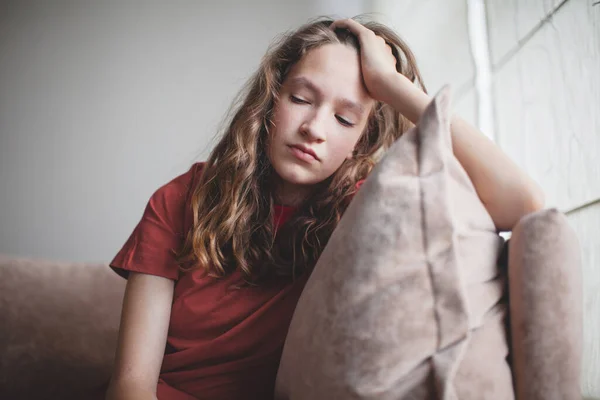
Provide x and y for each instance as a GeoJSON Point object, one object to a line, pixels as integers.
{"type": "Point", "coordinates": [128, 391]}
{"type": "Point", "coordinates": [505, 190]}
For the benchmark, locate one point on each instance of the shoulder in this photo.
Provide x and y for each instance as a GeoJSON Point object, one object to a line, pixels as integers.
{"type": "Point", "coordinates": [181, 184]}
{"type": "Point", "coordinates": [177, 191]}
{"type": "Point", "coordinates": [160, 233]}
{"type": "Point", "coordinates": [168, 207]}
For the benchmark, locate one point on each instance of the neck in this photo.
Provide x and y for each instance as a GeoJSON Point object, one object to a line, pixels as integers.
{"type": "Point", "coordinates": [287, 194]}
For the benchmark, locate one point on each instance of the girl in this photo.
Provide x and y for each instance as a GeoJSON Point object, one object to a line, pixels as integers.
{"type": "Point", "coordinates": [217, 263]}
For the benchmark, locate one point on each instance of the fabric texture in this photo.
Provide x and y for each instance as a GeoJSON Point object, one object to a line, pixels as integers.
{"type": "Point", "coordinates": [59, 324]}
{"type": "Point", "coordinates": [546, 307]}
{"type": "Point", "coordinates": [406, 300]}
{"type": "Point", "coordinates": [225, 339]}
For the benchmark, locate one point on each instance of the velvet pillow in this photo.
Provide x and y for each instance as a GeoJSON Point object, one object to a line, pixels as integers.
{"type": "Point", "coordinates": [406, 300]}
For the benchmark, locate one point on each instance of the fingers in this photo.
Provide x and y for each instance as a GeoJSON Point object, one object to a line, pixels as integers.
{"type": "Point", "coordinates": [359, 30]}
{"type": "Point", "coordinates": [365, 35]}
{"type": "Point", "coordinates": [353, 26]}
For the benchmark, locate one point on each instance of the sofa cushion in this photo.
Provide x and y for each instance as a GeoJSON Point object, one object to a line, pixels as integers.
{"type": "Point", "coordinates": [405, 301]}
{"type": "Point", "coordinates": [58, 328]}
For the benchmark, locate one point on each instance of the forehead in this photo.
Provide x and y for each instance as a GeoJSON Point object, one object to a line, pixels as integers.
{"type": "Point", "coordinates": [334, 69]}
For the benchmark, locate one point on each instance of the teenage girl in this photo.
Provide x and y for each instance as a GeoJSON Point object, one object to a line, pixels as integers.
{"type": "Point", "coordinates": [221, 254]}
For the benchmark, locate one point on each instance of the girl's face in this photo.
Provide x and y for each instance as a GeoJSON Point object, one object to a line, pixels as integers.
{"type": "Point", "coordinates": [322, 110]}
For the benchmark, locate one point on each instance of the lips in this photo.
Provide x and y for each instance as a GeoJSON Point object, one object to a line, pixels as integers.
{"type": "Point", "coordinates": [306, 150]}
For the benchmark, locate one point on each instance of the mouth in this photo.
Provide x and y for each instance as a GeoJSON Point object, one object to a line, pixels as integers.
{"type": "Point", "coordinates": [304, 152]}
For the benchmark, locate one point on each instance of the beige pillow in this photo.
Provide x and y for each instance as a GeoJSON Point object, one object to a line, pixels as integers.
{"type": "Point", "coordinates": [405, 301]}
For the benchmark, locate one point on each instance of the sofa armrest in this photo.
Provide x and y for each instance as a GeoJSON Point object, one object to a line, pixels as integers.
{"type": "Point", "coordinates": [58, 328]}
{"type": "Point", "coordinates": [544, 269]}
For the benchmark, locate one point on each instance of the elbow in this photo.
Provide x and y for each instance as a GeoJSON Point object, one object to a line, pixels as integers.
{"type": "Point", "coordinates": [534, 201]}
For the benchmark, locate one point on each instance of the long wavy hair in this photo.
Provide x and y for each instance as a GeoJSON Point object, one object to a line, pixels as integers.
{"type": "Point", "coordinates": [233, 203]}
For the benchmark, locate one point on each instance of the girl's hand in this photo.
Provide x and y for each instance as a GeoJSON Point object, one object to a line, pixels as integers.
{"type": "Point", "coordinates": [378, 64]}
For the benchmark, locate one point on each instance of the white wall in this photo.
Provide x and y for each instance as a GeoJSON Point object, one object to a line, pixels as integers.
{"type": "Point", "coordinates": [546, 61]}
{"type": "Point", "coordinates": [544, 57]}
{"type": "Point", "coordinates": [103, 102]}
{"type": "Point", "coordinates": [438, 33]}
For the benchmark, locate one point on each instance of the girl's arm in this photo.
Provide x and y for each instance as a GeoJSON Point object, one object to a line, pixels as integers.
{"type": "Point", "coordinates": [505, 190]}
{"type": "Point", "coordinates": [142, 337]}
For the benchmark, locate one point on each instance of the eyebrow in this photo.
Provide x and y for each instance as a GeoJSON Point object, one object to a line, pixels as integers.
{"type": "Point", "coordinates": [346, 103]}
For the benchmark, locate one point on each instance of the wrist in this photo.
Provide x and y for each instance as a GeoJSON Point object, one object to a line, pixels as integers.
{"type": "Point", "coordinates": [405, 97]}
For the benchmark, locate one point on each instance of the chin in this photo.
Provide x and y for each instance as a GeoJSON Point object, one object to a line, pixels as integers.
{"type": "Point", "coordinates": [295, 174]}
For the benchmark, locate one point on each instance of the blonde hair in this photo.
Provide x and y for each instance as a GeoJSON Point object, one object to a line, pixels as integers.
{"type": "Point", "coordinates": [233, 203]}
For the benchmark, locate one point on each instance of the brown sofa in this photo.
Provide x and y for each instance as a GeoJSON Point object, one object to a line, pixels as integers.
{"type": "Point", "coordinates": [58, 329]}
{"type": "Point", "coordinates": [59, 321]}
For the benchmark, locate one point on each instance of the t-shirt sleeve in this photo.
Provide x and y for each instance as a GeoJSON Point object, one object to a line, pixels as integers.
{"type": "Point", "coordinates": [151, 248]}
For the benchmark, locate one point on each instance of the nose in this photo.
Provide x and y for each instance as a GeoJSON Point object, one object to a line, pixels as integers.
{"type": "Point", "coordinates": [314, 126]}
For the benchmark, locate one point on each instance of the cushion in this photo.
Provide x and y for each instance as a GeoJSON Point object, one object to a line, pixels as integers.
{"type": "Point", "coordinates": [58, 328]}
{"type": "Point", "coordinates": [405, 301]}
{"type": "Point", "coordinates": [546, 307]}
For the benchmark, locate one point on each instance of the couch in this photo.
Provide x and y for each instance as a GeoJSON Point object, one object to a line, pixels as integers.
{"type": "Point", "coordinates": [59, 321]}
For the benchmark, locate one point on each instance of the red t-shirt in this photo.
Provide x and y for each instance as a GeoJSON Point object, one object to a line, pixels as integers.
{"type": "Point", "coordinates": [223, 342]}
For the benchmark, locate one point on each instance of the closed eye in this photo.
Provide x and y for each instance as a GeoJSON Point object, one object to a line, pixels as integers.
{"type": "Point", "coordinates": [298, 100]}
{"type": "Point", "coordinates": [344, 121]}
